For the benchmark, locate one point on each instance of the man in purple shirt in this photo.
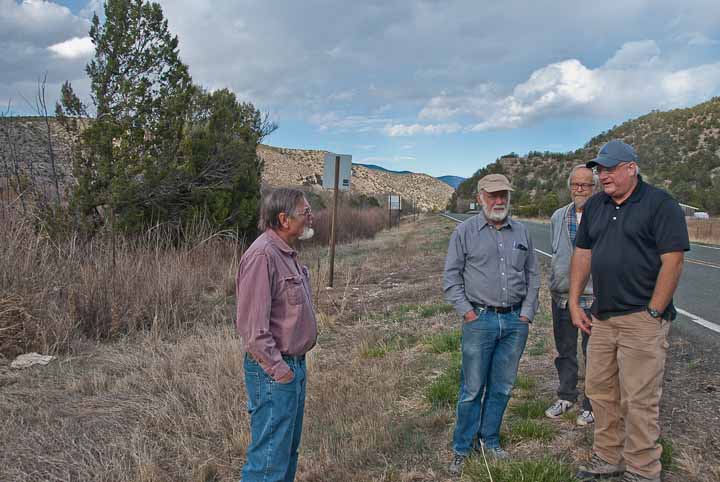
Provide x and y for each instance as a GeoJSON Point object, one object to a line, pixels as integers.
{"type": "Point", "coordinates": [276, 320]}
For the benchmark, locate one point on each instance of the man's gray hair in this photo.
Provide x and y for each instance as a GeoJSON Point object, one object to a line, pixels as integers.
{"type": "Point", "coordinates": [595, 178]}
{"type": "Point", "coordinates": [280, 200]}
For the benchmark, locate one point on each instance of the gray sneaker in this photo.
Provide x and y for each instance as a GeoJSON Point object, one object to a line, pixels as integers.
{"type": "Point", "coordinates": [456, 466]}
{"type": "Point", "coordinates": [558, 408]}
{"type": "Point", "coordinates": [633, 477]}
{"type": "Point", "coordinates": [597, 468]}
{"type": "Point", "coordinates": [496, 453]}
{"type": "Point", "coordinates": [586, 417]}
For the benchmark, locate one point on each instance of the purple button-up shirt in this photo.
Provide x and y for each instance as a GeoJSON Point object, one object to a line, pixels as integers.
{"type": "Point", "coordinates": [275, 314]}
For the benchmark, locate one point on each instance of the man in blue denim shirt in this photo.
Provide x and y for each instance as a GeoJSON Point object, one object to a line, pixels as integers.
{"type": "Point", "coordinates": [491, 278]}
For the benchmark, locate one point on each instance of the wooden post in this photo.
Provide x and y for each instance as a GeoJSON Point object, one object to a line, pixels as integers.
{"type": "Point", "coordinates": [334, 222]}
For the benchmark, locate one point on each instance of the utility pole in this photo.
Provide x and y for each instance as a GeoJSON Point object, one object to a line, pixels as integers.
{"type": "Point", "coordinates": [334, 221]}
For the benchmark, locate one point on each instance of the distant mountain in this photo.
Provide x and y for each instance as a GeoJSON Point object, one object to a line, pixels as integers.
{"type": "Point", "coordinates": [453, 181]}
{"type": "Point", "coordinates": [380, 168]}
{"type": "Point", "coordinates": [679, 151]}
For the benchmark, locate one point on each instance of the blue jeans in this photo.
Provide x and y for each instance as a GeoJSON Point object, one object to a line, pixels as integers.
{"type": "Point", "coordinates": [491, 349]}
{"type": "Point", "coordinates": [276, 417]}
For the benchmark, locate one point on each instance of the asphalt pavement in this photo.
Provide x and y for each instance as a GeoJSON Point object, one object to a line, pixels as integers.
{"type": "Point", "coordinates": [697, 298]}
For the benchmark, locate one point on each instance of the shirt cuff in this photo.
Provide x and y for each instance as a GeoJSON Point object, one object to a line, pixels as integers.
{"type": "Point", "coordinates": [527, 312]}
{"type": "Point", "coordinates": [463, 307]}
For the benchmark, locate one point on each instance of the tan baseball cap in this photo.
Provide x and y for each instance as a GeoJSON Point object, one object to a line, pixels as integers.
{"type": "Point", "coordinates": [494, 183]}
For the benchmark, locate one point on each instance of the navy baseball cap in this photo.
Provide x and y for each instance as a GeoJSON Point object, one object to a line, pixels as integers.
{"type": "Point", "coordinates": [612, 154]}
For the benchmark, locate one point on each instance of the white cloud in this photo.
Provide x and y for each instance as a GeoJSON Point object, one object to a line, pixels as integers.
{"type": "Point", "coordinates": [338, 122]}
{"type": "Point", "coordinates": [635, 79]}
{"type": "Point", "coordinates": [74, 48]}
{"type": "Point", "coordinates": [396, 130]}
{"type": "Point", "coordinates": [640, 54]}
{"type": "Point", "coordinates": [390, 159]}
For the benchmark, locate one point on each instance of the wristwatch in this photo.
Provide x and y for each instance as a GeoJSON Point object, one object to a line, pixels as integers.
{"type": "Point", "coordinates": [654, 313]}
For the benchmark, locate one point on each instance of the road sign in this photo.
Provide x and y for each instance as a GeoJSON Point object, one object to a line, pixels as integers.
{"type": "Point", "coordinates": [394, 202]}
{"type": "Point", "coordinates": [345, 171]}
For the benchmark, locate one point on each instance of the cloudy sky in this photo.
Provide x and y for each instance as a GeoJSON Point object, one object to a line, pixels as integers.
{"type": "Point", "coordinates": [436, 86]}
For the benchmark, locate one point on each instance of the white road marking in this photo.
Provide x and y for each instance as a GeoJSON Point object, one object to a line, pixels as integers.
{"type": "Point", "coordinates": [700, 321]}
{"type": "Point", "coordinates": [703, 246]}
{"type": "Point", "coordinates": [693, 317]}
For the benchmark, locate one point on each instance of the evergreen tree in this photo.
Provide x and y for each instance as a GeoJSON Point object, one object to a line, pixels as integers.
{"type": "Point", "coordinates": [141, 92]}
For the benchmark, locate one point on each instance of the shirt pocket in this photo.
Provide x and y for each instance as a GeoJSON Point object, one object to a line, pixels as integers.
{"type": "Point", "coordinates": [293, 289]}
{"type": "Point", "coordinates": [519, 255]}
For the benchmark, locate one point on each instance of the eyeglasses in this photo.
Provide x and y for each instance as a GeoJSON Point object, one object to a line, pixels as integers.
{"type": "Point", "coordinates": [580, 185]}
{"type": "Point", "coordinates": [306, 212]}
{"type": "Point", "coordinates": [609, 170]}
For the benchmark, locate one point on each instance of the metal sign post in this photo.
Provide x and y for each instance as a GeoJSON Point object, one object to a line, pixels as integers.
{"type": "Point", "coordinates": [337, 167]}
{"type": "Point", "coordinates": [334, 220]}
{"type": "Point", "coordinates": [394, 204]}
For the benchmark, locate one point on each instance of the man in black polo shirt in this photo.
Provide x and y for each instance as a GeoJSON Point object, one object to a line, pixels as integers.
{"type": "Point", "coordinates": [632, 238]}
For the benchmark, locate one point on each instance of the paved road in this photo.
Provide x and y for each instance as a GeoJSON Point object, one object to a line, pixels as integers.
{"type": "Point", "coordinates": [697, 297]}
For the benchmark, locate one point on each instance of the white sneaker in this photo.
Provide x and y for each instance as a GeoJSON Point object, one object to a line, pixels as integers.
{"type": "Point", "coordinates": [558, 408]}
{"type": "Point", "coordinates": [586, 417]}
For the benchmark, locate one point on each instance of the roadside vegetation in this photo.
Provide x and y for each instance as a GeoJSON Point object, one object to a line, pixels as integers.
{"type": "Point", "coordinates": [165, 401]}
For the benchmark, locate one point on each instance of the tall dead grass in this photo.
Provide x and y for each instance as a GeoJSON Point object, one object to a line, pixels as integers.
{"type": "Point", "coordinates": [56, 295]}
{"type": "Point", "coordinates": [352, 224]}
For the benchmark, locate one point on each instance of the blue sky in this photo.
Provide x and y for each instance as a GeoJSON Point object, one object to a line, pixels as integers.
{"type": "Point", "coordinates": [435, 86]}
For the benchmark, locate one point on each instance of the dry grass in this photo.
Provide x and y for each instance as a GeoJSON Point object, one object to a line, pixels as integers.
{"type": "Point", "coordinates": [55, 297]}
{"type": "Point", "coordinates": [352, 224]}
{"type": "Point", "coordinates": [169, 405]}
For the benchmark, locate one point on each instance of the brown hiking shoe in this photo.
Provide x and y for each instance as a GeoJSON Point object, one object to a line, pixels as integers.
{"type": "Point", "coordinates": [633, 477]}
{"type": "Point", "coordinates": [597, 468]}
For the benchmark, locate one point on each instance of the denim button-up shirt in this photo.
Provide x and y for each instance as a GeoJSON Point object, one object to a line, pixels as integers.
{"type": "Point", "coordinates": [491, 266]}
{"type": "Point", "coordinates": [275, 314]}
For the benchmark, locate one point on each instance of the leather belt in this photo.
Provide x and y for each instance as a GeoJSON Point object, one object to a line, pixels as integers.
{"type": "Point", "coordinates": [497, 309]}
{"type": "Point", "coordinates": [284, 357]}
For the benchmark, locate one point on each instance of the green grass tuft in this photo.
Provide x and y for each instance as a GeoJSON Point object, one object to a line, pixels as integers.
{"type": "Point", "coordinates": [666, 458]}
{"type": "Point", "coordinates": [534, 408]}
{"type": "Point", "coordinates": [538, 349]}
{"type": "Point", "coordinates": [443, 391]}
{"type": "Point", "coordinates": [543, 470]}
{"type": "Point", "coordinates": [528, 429]}
{"type": "Point", "coordinates": [426, 311]}
{"type": "Point", "coordinates": [525, 382]}
{"type": "Point", "coordinates": [444, 342]}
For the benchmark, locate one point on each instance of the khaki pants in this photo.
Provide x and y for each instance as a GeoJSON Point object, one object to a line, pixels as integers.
{"type": "Point", "coordinates": [625, 367]}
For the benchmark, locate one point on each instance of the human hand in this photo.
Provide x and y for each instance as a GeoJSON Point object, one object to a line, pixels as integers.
{"type": "Point", "coordinates": [287, 378]}
{"type": "Point", "coordinates": [580, 319]}
{"type": "Point", "coordinates": [524, 319]}
{"type": "Point", "coordinates": [470, 316]}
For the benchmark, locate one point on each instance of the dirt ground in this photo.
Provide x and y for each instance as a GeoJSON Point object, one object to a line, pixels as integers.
{"type": "Point", "coordinates": [169, 409]}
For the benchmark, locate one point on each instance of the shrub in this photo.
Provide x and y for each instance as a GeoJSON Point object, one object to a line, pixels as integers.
{"type": "Point", "coordinates": [55, 294]}
{"type": "Point", "coordinates": [352, 224]}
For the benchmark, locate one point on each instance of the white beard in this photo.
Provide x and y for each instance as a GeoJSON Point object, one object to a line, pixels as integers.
{"type": "Point", "coordinates": [497, 216]}
{"type": "Point", "coordinates": [306, 234]}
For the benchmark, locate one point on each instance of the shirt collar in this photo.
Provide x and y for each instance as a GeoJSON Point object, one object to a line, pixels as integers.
{"type": "Point", "coordinates": [279, 243]}
{"type": "Point", "coordinates": [482, 222]}
{"type": "Point", "coordinates": [636, 195]}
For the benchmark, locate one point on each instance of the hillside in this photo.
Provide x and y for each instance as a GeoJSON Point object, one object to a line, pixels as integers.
{"type": "Point", "coordinates": [679, 150]}
{"type": "Point", "coordinates": [24, 154]}
{"type": "Point", "coordinates": [305, 167]}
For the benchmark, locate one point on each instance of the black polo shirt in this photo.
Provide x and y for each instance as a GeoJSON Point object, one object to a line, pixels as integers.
{"type": "Point", "coordinates": [626, 241]}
